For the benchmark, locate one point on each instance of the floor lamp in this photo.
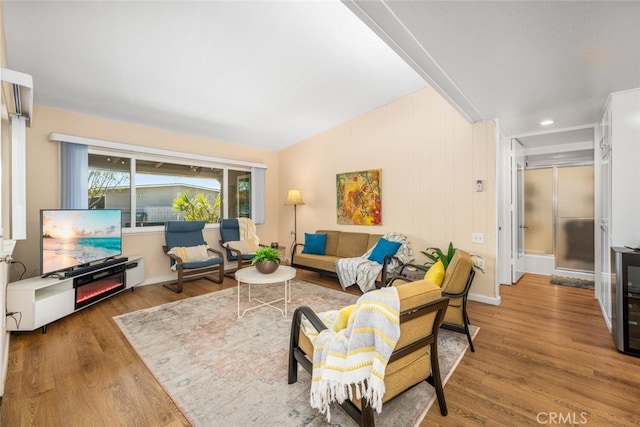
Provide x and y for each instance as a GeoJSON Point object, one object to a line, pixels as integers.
{"type": "Point", "coordinates": [294, 198]}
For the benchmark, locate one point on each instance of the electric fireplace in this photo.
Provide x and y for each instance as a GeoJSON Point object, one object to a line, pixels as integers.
{"type": "Point", "coordinates": [99, 285]}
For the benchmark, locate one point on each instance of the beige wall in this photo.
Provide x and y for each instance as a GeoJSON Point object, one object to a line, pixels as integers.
{"type": "Point", "coordinates": [43, 178]}
{"type": "Point", "coordinates": [430, 158]}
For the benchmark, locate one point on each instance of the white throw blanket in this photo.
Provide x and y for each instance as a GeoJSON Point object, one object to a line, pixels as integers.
{"type": "Point", "coordinates": [247, 230]}
{"type": "Point", "coordinates": [363, 272]}
{"type": "Point", "coordinates": [358, 355]}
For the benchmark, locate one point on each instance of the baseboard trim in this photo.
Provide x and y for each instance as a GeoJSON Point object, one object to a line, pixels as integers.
{"type": "Point", "coordinates": [485, 299]}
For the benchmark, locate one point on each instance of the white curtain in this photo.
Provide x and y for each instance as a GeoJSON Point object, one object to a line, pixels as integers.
{"type": "Point", "coordinates": [18, 178]}
{"type": "Point", "coordinates": [257, 192]}
{"type": "Point", "coordinates": [74, 176]}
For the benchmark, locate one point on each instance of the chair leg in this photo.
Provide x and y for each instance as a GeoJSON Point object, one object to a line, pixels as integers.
{"type": "Point", "coordinates": [465, 319]}
{"type": "Point", "coordinates": [217, 277]}
{"type": "Point", "coordinates": [437, 380]}
{"type": "Point", "coordinates": [175, 287]}
{"type": "Point", "coordinates": [368, 419]}
{"type": "Point", "coordinates": [220, 277]}
{"type": "Point", "coordinates": [292, 373]}
{"type": "Point", "coordinates": [466, 330]}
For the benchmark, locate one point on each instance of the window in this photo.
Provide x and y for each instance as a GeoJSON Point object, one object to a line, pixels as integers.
{"type": "Point", "coordinates": [150, 190]}
{"type": "Point", "coordinates": [144, 182]}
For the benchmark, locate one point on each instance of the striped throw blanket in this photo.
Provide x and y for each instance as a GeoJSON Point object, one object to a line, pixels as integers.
{"type": "Point", "coordinates": [247, 230]}
{"type": "Point", "coordinates": [355, 358]}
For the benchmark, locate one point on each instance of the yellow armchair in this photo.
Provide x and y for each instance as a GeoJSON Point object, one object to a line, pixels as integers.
{"type": "Point", "coordinates": [414, 358]}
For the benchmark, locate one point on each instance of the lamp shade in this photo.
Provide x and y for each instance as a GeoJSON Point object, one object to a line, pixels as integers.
{"type": "Point", "coordinates": [294, 198]}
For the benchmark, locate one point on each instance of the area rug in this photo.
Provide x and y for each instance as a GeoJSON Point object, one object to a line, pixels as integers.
{"type": "Point", "coordinates": [572, 281]}
{"type": "Point", "coordinates": [224, 371]}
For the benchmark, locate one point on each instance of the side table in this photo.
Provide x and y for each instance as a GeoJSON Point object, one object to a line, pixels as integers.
{"type": "Point", "coordinates": [251, 276]}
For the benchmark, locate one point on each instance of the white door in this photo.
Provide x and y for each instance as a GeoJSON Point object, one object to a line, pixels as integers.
{"type": "Point", "coordinates": [517, 210]}
{"type": "Point", "coordinates": [603, 252]}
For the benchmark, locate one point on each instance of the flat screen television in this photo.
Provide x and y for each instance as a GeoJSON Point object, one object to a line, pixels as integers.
{"type": "Point", "coordinates": [71, 238]}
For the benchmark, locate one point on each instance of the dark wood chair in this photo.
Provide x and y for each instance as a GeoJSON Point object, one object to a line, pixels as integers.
{"type": "Point", "coordinates": [456, 285]}
{"type": "Point", "coordinates": [422, 311]}
{"type": "Point", "coordinates": [184, 237]}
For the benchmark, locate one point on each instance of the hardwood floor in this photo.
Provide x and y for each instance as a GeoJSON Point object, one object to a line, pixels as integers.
{"type": "Point", "coordinates": [544, 356]}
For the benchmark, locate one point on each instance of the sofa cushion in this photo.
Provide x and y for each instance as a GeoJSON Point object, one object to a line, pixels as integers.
{"type": "Point", "coordinates": [352, 245]}
{"type": "Point", "coordinates": [333, 238]}
{"type": "Point", "coordinates": [317, 262]}
{"type": "Point", "coordinates": [314, 243]}
{"type": "Point", "coordinates": [382, 249]}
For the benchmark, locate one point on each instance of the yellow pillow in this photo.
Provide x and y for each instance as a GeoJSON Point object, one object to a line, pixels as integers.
{"type": "Point", "coordinates": [435, 273]}
{"type": "Point", "coordinates": [342, 320]}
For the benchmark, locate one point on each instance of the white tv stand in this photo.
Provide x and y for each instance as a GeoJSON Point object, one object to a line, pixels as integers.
{"type": "Point", "coordinates": [35, 302]}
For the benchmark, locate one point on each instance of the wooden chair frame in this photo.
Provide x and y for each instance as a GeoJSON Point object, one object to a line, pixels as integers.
{"type": "Point", "coordinates": [240, 261]}
{"type": "Point", "coordinates": [189, 234]}
{"type": "Point", "coordinates": [195, 273]}
{"type": "Point", "coordinates": [464, 328]}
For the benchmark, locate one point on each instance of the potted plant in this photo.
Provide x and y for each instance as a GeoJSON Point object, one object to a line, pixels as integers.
{"type": "Point", "coordinates": [266, 260]}
{"type": "Point", "coordinates": [436, 254]}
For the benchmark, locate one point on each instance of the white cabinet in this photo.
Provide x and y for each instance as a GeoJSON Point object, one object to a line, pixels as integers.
{"type": "Point", "coordinates": [618, 199]}
{"type": "Point", "coordinates": [36, 302]}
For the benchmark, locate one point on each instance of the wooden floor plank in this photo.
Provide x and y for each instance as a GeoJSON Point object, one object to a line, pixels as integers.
{"type": "Point", "coordinates": [544, 350]}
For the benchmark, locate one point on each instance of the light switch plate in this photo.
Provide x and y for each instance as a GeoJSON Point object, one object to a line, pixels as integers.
{"type": "Point", "coordinates": [477, 237]}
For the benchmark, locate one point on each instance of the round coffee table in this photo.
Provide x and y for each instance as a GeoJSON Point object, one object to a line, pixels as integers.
{"type": "Point", "coordinates": [251, 276]}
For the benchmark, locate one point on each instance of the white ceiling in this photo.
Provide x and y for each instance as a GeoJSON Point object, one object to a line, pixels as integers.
{"type": "Point", "coordinates": [272, 73]}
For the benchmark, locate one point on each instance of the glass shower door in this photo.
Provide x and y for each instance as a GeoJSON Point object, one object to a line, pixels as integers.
{"type": "Point", "coordinates": [575, 218]}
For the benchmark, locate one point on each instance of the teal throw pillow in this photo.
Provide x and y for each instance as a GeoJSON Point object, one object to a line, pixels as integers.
{"type": "Point", "coordinates": [383, 248]}
{"type": "Point", "coordinates": [314, 244]}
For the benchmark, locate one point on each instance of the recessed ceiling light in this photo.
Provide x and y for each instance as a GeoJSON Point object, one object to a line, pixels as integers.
{"type": "Point", "coordinates": [546, 122]}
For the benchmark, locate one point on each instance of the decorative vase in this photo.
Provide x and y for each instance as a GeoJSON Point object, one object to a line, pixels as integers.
{"type": "Point", "coordinates": [266, 267]}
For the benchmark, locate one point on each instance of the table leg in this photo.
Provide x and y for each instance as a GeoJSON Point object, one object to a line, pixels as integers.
{"type": "Point", "coordinates": [238, 299]}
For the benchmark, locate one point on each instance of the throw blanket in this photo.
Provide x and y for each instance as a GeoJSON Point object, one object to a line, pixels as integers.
{"type": "Point", "coordinates": [356, 357]}
{"type": "Point", "coordinates": [247, 230]}
{"type": "Point", "coordinates": [363, 272]}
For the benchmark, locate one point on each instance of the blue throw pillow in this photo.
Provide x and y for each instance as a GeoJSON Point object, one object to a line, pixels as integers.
{"type": "Point", "coordinates": [314, 244]}
{"type": "Point", "coordinates": [383, 248]}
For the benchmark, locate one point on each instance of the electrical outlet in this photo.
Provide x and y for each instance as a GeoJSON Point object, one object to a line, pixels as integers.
{"type": "Point", "coordinates": [477, 237]}
{"type": "Point", "coordinates": [479, 262]}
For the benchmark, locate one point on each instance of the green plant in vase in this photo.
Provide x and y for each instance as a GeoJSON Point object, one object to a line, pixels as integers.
{"type": "Point", "coordinates": [436, 254]}
{"type": "Point", "coordinates": [266, 260]}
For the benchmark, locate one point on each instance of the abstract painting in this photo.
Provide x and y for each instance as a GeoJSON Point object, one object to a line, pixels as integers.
{"type": "Point", "coordinates": [358, 197]}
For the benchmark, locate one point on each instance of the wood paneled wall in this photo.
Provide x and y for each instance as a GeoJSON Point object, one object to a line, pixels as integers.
{"type": "Point", "coordinates": [430, 158]}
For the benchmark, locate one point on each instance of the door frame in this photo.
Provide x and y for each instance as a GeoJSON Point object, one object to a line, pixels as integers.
{"type": "Point", "coordinates": [506, 200]}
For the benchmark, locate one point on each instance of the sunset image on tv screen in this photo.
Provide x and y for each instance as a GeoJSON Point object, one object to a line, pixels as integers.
{"type": "Point", "coordinates": [76, 237]}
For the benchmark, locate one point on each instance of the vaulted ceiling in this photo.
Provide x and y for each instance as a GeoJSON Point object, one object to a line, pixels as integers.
{"type": "Point", "coordinates": [272, 73]}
